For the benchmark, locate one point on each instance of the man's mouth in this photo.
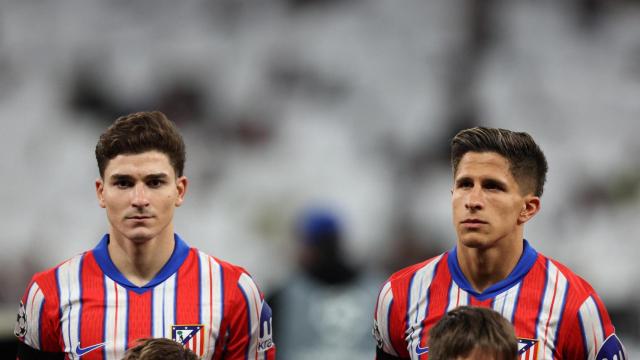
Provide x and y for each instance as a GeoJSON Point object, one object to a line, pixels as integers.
{"type": "Point", "coordinates": [139, 217]}
{"type": "Point", "coordinates": [473, 221]}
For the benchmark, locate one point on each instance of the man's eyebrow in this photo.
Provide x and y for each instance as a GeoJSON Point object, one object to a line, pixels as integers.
{"type": "Point", "coordinates": [462, 178]}
{"type": "Point", "coordinates": [494, 182]}
{"type": "Point", "coordinates": [120, 177]}
{"type": "Point", "coordinates": [157, 176]}
{"type": "Point", "coordinates": [160, 175]}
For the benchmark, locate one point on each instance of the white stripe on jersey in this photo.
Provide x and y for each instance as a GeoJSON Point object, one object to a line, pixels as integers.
{"type": "Point", "coordinates": [211, 299]}
{"type": "Point", "coordinates": [418, 303]}
{"type": "Point", "coordinates": [116, 319]}
{"type": "Point", "coordinates": [591, 326]}
{"type": "Point", "coordinates": [457, 297]}
{"type": "Point", "coordinates": [505, 303]}
{"type": "Point", "coordinates": [68, 277]}
{"type": "Point", "coordinates": [163, 307]}
{"type": "Point", "coordinates": [385, 299]}
{"type": "Point", "coordinates": [254, 302]}
{"type": "Point", "coordinates": [551, 310]}
{"type": "Point", "coordinates": [33, 308]}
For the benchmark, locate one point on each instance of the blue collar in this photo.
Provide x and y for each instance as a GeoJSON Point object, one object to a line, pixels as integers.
{"type": "Point", "coordinates": [528, 258]}
{"type": "Point", "coordinates": [101, 253]}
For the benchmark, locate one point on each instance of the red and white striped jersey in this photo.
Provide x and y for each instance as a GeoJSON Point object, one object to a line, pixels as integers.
{"type": "Point", "coordinates": [555, 313]}
{"type": "Point", "coordinates": [86, 308]}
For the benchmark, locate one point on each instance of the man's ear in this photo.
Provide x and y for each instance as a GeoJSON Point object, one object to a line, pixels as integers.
{"type": "Point", "coordinates": [529, 209]}
{"type": "Point", "coordinates": [100, 191]}
{"type": "Point", "coordinates": [181, 184]}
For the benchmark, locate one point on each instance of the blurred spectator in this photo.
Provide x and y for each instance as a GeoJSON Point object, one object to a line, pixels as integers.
{"type": "Point", "coordinates": [319, 312]}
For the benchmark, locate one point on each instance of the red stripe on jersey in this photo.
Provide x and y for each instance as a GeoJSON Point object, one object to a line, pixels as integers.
{"type": "Point", "coordinates": [438, 297]}
{"type": "Point", "coordinates": [92, 315]}
{"type": "Point", "coordinates": [188, 291]}
{"type": "Point", "coordinates": [529, 300]}
{"type": "Point", "coordinates": [473, 301]}
{"type": "Point", "coordinates": [139, 319]}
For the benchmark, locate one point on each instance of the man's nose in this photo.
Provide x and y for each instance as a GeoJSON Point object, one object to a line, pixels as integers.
{"type": "Point", "coordinates": [139, 196]}
{"type": "Point", "coordinates": [474, 199]}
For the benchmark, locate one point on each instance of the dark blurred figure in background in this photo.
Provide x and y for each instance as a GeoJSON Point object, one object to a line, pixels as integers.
{"type": "Point", "coordinates": [319, 312]}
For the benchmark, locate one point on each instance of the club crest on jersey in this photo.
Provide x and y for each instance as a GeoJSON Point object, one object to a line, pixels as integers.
{"type": "Point", "coordinates": [527, 349]}
{"type": "Point", "coordinates": [20, 330]}
{"type": "Point", "coordinates": [191, 336]}
{"type": "Point", "coordinates": [265, 342]}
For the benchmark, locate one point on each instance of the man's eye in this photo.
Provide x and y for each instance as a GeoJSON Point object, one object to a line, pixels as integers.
{"type": "Point", "coordinates": [155, 183]}
{"type": "Point", "coordinates": [122, 183]}
{"type": "Point", "coordinates": [493, 186]}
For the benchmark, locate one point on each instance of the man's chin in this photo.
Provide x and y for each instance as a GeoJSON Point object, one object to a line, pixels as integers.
{"type": "Point", "coordinates": [475, 242]}
{"type": "Point", "coordinates": [140, 237]}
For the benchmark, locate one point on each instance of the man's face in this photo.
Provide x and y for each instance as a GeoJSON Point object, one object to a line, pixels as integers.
{"type": "Point", "coordinates": [140, 193]}
{"type": "Point", "coordinates": [487, 202]}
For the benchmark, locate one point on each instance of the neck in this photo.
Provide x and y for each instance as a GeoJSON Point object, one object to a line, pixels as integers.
{"type": "Point", "coordinates": [485, 267]}
{"type": "Point", "coordinates": [140, 261]}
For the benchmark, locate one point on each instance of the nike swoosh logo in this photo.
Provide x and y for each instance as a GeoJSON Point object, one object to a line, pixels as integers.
{"type": "Point", "coordinates": [82, 351]}
{"type": "Point", "coordinates": [421, 350]}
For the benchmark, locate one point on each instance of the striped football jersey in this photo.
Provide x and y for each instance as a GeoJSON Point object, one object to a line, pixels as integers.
{"type": "Point", "coordinates": [86, 309]}
{"type": "Point", "coordinates": [555, 313]}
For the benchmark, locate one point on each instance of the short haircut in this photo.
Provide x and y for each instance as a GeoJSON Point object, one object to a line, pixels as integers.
{"type": "Point", "coordinates": [159, 349]}
{"type": "Point", "coordinates": [141, 132]}
{"type": "Point", "coordinates": [527, 162]}
{"type": "Point", "coordinates": [467, 328]}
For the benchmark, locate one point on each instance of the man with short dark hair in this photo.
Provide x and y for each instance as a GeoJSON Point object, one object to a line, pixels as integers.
{"type": "Point", "coordinates": [469, 332]}
{"type": "Point", "coordinates": [498, 179]}
{"type": "Point", "coordinates": [142, 280]}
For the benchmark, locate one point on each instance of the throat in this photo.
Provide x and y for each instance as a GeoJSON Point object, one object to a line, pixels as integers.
{"type": "Point", "coordinates": [485, 268]}
{"type": "Point", "coordinates": [140, 263]}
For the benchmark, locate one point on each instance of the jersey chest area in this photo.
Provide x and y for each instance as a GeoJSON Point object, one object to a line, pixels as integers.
{"type": "Point", "coordinates": [101, 319]}
{"type": "Point", "coordinates": [536, 319]}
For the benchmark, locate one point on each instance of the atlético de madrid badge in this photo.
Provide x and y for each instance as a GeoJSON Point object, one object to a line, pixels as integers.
{"type": "Point", "coordinates": [191, 336]}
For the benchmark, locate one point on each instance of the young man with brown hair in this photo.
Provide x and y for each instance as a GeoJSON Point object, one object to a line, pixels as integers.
{"type": "Point", "coordinates": [142, 280]}
{"type": "Point", "coordinates": [469, 332]}
{"type": "Point", "coordinates": [498, 178]}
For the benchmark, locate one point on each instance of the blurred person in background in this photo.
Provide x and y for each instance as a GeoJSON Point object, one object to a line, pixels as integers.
{"type": "Point", "coordinates": [498, 179]}
{"type": "Point", "coordinates": [318, 313]}
{"type": "Point", "coordinates": [142, 280]}
{"type": "Point", "coordinates": [159, 349]}
{"type": "Point", "coordinates": [470, 332]}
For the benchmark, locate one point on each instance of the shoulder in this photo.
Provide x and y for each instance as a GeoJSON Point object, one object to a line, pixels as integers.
{"type": "Point", "coordinates": [578, 295]}
{"type": "Point", "coordinates": [229, 270]}
{"type": "Point", "coordinates": [399, 282]}
{"type": "Point", "coordinates": [579, 286]}
{"type": "Point", "coordinates": [406, 274]}
{"type": "Point", "coordinates": [235, 279]}
{"type": "Point", "coordinates": [48, 280]}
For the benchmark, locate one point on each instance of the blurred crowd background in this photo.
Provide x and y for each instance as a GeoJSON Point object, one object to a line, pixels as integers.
{"type": "Point", "coordinates": [313, 119]}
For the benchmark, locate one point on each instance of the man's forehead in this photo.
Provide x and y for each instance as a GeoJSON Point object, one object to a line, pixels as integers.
{"type": "Point", "coordinates": [473, 164]}
{"type": "Point", "coordinates": [142, 164]}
